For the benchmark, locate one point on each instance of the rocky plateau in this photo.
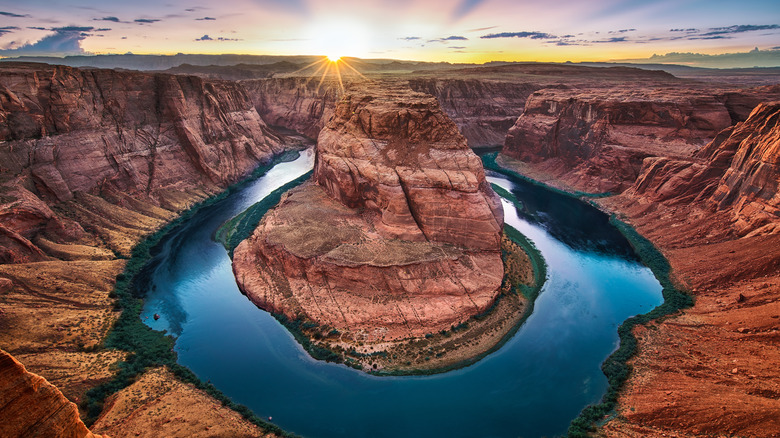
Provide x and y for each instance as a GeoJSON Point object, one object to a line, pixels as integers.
{"type": "Point", "coordinates": [398, 234]}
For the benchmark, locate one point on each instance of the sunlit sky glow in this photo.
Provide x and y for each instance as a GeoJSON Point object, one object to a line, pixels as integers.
{"type": "Point", "coordinates": [439, 30]}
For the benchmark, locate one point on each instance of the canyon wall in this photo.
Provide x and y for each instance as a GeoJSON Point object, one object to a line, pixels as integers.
{"type": "Point", "coordinates": [596, 138]}
{"type": "Point", "coordinates": [158, 138]}
{"type": "Point", "coordinates": [738, 172]}
{"type": "Point", "coordinates": [91, 161]}
{"type": "Point", "coordinates": [483, 109]}
{"type": "Point", "coordinates": [397, 235]}
{"type": "Point", "coordinates": [34, 407]}
{"type": "Point", "coordinates": [302, 104]}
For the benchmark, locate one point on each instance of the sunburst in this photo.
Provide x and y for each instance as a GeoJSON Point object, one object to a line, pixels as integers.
{"type": "Point", "coordinates": [331, 65]}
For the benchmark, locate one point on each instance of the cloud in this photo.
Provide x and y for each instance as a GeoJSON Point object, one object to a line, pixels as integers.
{"type": "Point", "coordinates": [622, 31]}
{"type": "Point", "coordinates": [457, 47]}
{"type": "Point", "coordinates": [7, 29]}
{"type": "Point", "coordinates": [64, 41]}
{"type": "Point", "coordinates": [739, 29]}
{"type": "Point", "coordinates": [206, 19]}
{"type": "Point", "coordinates": [11, 14]}
{"type": "Point", "coordinates": [464, 7]}
{"type": "Point", "coordinates": [455, 38]}
{"type": "Point", "coordinates": [111, 19]}
{"type": "Point", "coordinates": [410, 38]}
{"type": "Point", "coordinates": [684, 30]}
{"type": "Point", "coordinates": [481, 29]}
{"type": "Point", "coordinates": [73, 29]}
{"type": "Point", "coordinates": [613, 40]}
{"type": "Point", "coordinates": [208, 38]}
{"type": "Point", "coordinates": [36, 28]}
{"type": "Point", "coordinates": [146, 20]}
{"type": "Point", "coordinates": [531, 35]}
{"type": "Point", "coordinates": [103, 29]}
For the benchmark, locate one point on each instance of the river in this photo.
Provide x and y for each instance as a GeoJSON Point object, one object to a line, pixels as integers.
{"type": "Point", "coordinates": [533, 386]}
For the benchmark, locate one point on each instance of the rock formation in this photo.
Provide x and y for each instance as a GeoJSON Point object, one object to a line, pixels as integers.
{"type": "Point", "coordinates": [91, 161]}
{"type": "Point", "coordinates": [398, 234]}
{"type": "Point", "coordinates": [31, 406]}
{"type": "Point", "coordinates": [483, 110]}
{"type": "Point", "coordinates": [738, 172]}
{"type": "Point", "coordinates": [599, 137]}
{"type": "Point", "coordinates": [299, 103]}
{"type": "Point", "coordinates": [160, 138]}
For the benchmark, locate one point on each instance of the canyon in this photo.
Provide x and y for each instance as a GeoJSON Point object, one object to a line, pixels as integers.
{"type": "Point", "coordinates": [93, 160]}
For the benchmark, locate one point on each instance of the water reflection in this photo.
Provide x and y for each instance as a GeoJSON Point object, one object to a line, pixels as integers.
{"type": "Point", "coordinates": [576, 224]}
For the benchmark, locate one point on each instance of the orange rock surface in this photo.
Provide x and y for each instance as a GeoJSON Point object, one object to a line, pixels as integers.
{"type": "Point", "coordinates": [31, 406]}
{"type": "Point", "coordinates": [399, 236]}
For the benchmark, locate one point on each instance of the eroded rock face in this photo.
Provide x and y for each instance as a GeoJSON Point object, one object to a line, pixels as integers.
{"type": "Point", "coordinates": [299, 103]}
{"type": "Point", "coordinates": [160, 139]}
{"type": "Point", "coordinates": [738, 172]}
{"type": "Point", "coordinates": [31, 406]}
{"type": "Point", "coordinates": [598, 138]}
{"type": "Point", "coordinates": [483, 110]}
{"type": "Point", "coordinates": [398, 234]}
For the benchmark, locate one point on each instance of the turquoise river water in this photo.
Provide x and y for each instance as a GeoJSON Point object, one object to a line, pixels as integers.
{"type": "Point", "coordinates": [533, 386]}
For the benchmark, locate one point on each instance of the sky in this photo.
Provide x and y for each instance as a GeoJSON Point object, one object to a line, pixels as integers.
{"type": "Point", "coordinates": [433, 30]}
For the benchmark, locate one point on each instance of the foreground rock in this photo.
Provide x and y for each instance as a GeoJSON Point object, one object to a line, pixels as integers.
{"type": "Point", "coordinates": [31, 406]}
{"type": "Point", "coordinates": [158, 404]}
{"type": "Point", "coordinates": [398, 234]}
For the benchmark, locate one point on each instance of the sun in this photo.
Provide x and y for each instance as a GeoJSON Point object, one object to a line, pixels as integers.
{"type": "Point", "coordinates": [333, 58]}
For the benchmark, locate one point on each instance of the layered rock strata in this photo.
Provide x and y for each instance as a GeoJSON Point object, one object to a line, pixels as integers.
{"type": "Point", "coordinates": [598, 138]}
{"type": "Point", "coordinates": [91, 161]}
{"type": "Point", "coordinates": [714, 214]}
{"type": "Point", "coordinates": [397, 235]}
{"type": "Point", "coordinates": [127, 137]}
{"type": "Point", "coordinates": [34, 407]}
{"type": "Point", "coordinates": [738, 173]}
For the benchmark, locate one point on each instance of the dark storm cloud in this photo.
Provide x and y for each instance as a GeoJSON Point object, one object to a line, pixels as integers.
{"type": "Point", "coordinates": [11, 14]}
{"type": "Point", "coordinates": [524, 34]}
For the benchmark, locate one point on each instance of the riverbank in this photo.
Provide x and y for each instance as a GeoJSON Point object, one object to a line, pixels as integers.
{"type": "Point", "coordinates": [149, 349]}
{"type": "Point", "coordinates": [616, 367]}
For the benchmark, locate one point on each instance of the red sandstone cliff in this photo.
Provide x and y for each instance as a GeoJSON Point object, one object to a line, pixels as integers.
{"type": "Point", "coordinates": [399, 236]}
{"type": "Point", "coordinates": [738, 172]}
{"type": "Point", "coordinates": [299, 103]}
{"type": "Point", "coordinates": [31, 406]}
{"type": "Point", "coordinates": [598, 138]}
{"type": "Point", "coordinates": [158, 138]}
{"type": "Point", "coordinates": [483, 110]}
